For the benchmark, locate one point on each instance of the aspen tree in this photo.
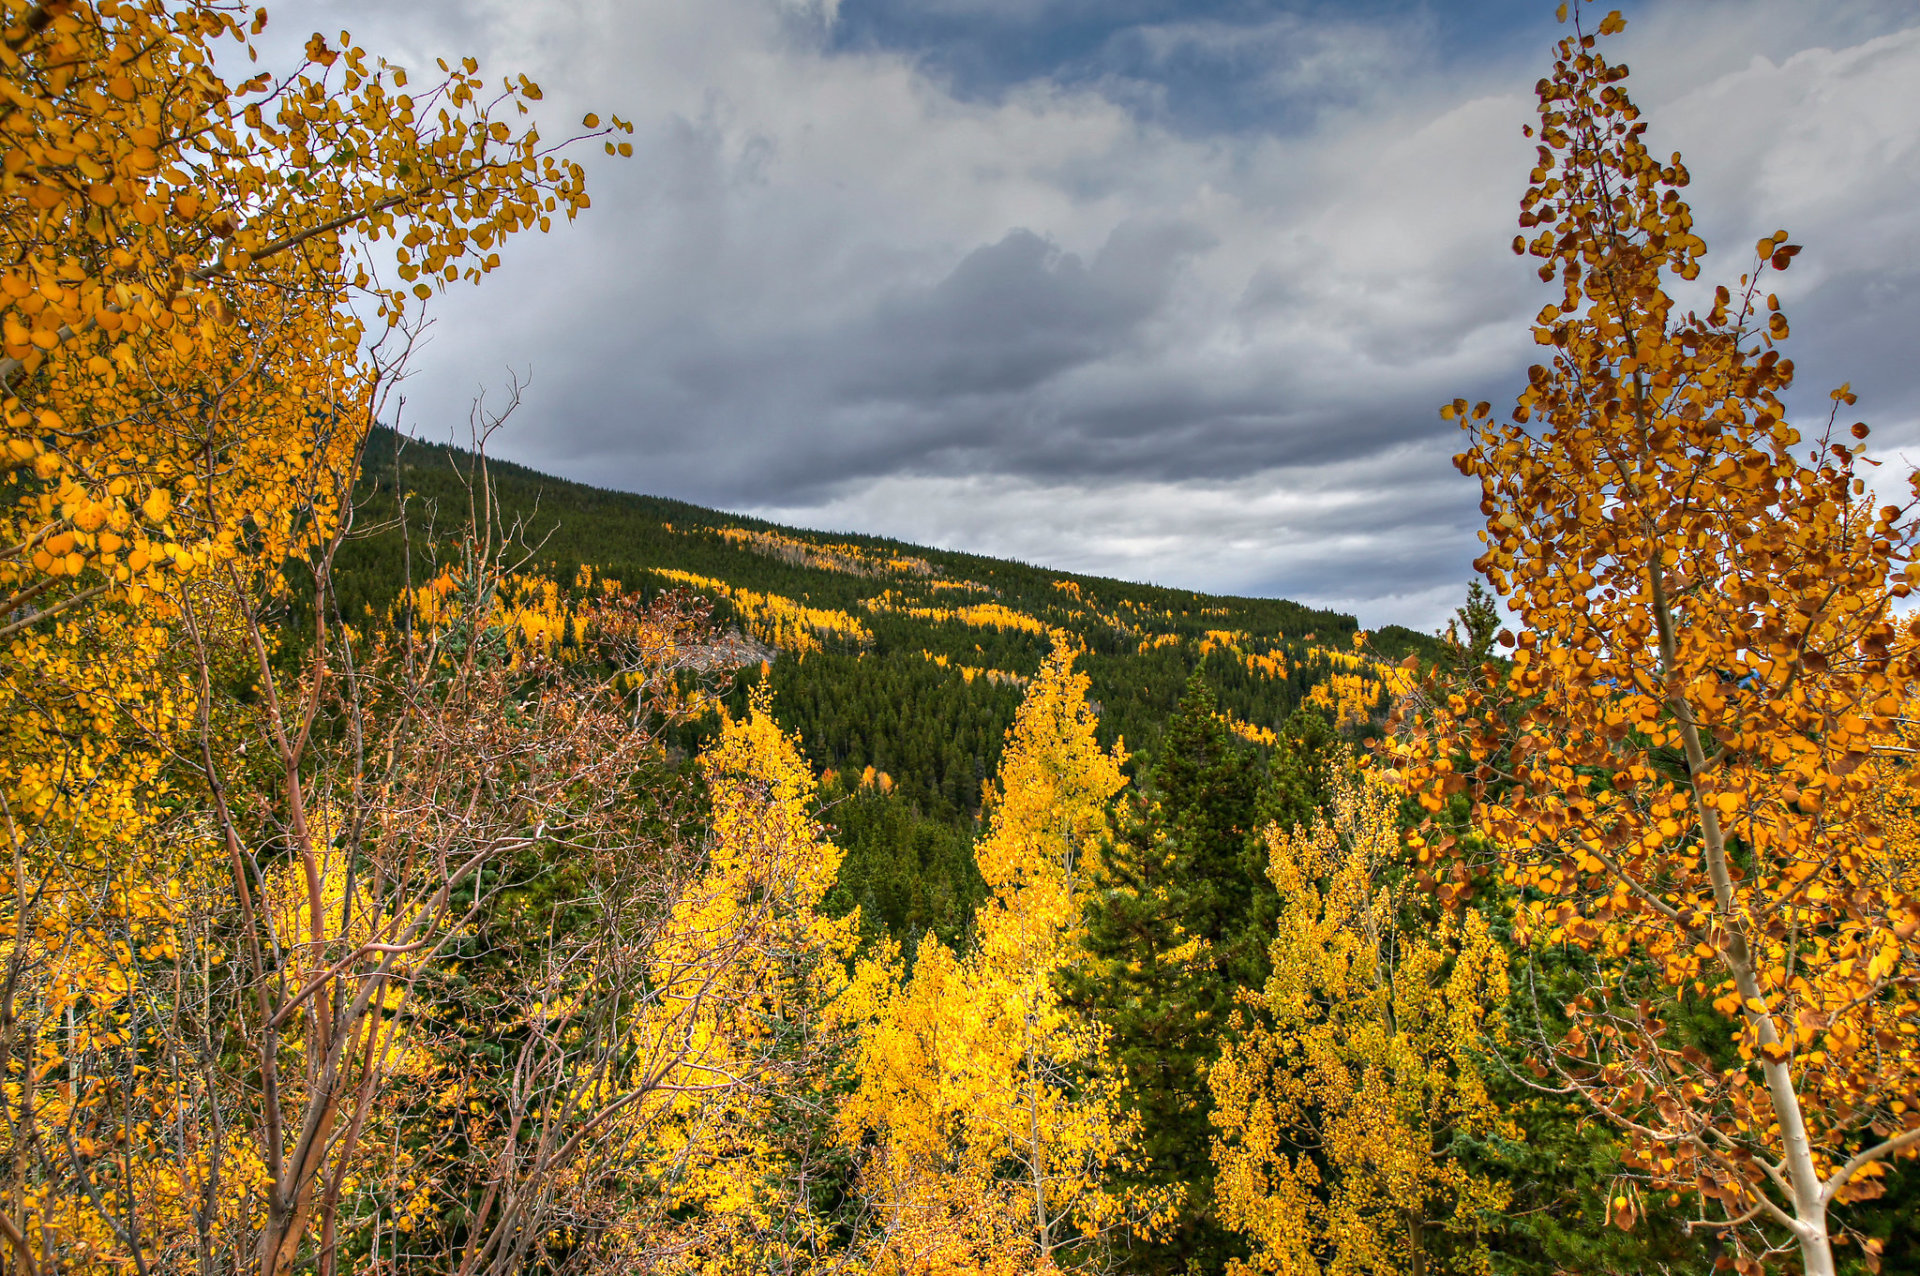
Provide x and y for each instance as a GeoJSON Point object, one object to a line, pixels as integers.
{"type": "Point", "coordinates": [1339, 1106]}
{"type": "Point", "coordinates": [751, 1002]}
{"type": "Point", "coordinates": [1679, 769]}
{"type": "Point", "coordinates": [994, 1110]}
{"type": "Point", "coordinates": [192, 268]}
{"type": "Point", "coordinates": [194, 334]}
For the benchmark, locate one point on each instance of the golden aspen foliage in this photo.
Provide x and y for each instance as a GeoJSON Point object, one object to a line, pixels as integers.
{"type": "Point", "coordinates": [998, 677]}
{"type": "Point", "coordinates": [1054, 1104]}
{"type": "Point", "coordinates": [1220, 639]}
{"type": "Point", "coordinates": [1338, 1100]}
{"type": "Point", "coordinates": [1353, 687]}
{"type": "Point", "coordinates": [988, 1111]}
{"type": "Point", "coordinates": [749, 1002]}
{"type": "Point", "coordinates": [1681, 769]}
{"type": "Point", "coordinates": [101, 890]}
{"type": "Point", "coordinates": [1348, 699]}
{"type": "Point", "coordinates": [779, 621]}
{"type": "Point", "coordinates": [185, 379]}
{"type": "Point", "coordinates": [1251, 733]}
{"type": "Point", "coordinates": [192, 264]}
{"type": "Point", "coordinates": [984, 615]}
{"type": "Point", "coordinates": [942, 585]}
{"type": "Point", "coordinates": [1055, 782]}
{"type": "Point", "coordinates": [106, 883]}
{"type": "Point", "coordinates": [1271, 665]}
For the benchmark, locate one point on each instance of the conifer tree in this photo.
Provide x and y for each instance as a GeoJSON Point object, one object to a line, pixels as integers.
{"type": "Point", "coordinates": [1301, 773]}
{"type": "Point", "coordinates": [1180, 929]}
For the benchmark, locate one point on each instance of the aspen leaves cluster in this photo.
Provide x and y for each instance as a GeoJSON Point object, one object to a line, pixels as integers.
{"type": "Point", "coordinates": [1692, 765]}
{"type": "Point", "coordinates": [198, 875]}
{"type": "Point", "coordinates": [191, 267]}
{"type": "Point", "coordinates": [1358, 1067]}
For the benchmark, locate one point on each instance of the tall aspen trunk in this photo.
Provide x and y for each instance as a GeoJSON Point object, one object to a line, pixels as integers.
{"type": "Point", "coordinates": [1037, 1157]}
{"type": "Point", "coordinates": [1803, 1176]}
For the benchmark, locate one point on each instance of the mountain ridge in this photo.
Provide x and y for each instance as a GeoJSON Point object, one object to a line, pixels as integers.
{"type": "Point", "coordinates": [514, 479]}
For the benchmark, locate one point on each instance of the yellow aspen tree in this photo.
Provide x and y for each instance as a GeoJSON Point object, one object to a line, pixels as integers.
{"type": "Point", "coordinates": [750, 1000]}
{"type": "Point", "coordinates": [185, 382]}
{"type": "Point", "coordinates": [992, 1110]}
{"type": "Point", "coordinates": [937, 1204]}
{"type": "Point", "coordinates": [1339, 1102]}
{"type": "Point", "coordinates": [97, 894]}
{"type": "Point", "coordinates": [1677, 767]}
{"type": "Point", "coordinates": [182, 341]}
{"type": "Point", "coordinates": [185, 379]}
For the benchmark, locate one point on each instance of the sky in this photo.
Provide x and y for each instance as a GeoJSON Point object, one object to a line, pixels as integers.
{"type": "Point", "coordinates": [1169, 291]}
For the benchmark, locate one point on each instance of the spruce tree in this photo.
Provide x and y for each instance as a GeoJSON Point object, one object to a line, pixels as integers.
{"type": "Point", "coordinates": [1183, 925]}
{"type": "Point", "coordinates": [1299, 777]}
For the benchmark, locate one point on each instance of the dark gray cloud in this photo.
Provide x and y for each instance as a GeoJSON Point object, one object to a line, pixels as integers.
{"type": "Point", "coordinates": [1038, 312]}
{"type": "Point", "coordinates": [1199, 66]}
{"type": "Point", "coordinates": [1016, 315]}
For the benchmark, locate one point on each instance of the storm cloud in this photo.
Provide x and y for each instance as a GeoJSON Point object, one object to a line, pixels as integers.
{"type": "Point", "coordinates": [1165, 291]}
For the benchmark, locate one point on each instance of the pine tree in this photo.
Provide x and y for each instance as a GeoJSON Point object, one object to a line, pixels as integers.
{"type": "Point", "coordinates": [1180, 928]}
{"type": "Point", "coordinates": [1300, 774]}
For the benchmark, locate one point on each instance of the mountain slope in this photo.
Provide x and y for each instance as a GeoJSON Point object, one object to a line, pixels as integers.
{"type": "Point", "coordinates": [899, 665]}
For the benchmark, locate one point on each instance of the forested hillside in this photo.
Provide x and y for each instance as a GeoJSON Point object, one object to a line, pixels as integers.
{"type": "Point", "coordinates": [895, 609]}
{"type": "Point", "coordinates": [899, 666]}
